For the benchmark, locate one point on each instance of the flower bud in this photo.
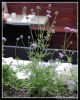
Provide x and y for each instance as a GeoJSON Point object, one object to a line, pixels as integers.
{"type": "Point", "coordinates": [21, 36]}
{"type": "Point", "coordinates": [50, 5]}
{"type": "Point", "coordinates": [38, 7]}
{"type": "Point", "coordinates": [32, 10]}
{"type": "Point", "coordinates": [4, 39]}
{"type": "Point", "coordinates": [28, 37]}
{"type": "Point", "coordinates": [56, 13]}
{"type": "Point", "coordinates": [71, 42]}
{"type": "Point", "coordinates": [17, 39]}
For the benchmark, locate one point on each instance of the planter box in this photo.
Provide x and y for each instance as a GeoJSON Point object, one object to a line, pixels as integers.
{"type": "Point", "coordinates": [9, 51]}
{"type": "Point", "coordinates": [62, 69]}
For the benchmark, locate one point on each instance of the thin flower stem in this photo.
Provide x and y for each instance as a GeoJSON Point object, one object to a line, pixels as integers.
{"type": "Point", "coordinates": [38, 22]}
{"type": "Point", "coordinates": [53, 54]}
{"type": "Point", "coordinates": [47, 33]}
{"type": "Point", "coordinates": [68, 38]}
{"type": "Point", "coordinates": [48, 25]}
{"type": "Point", "coordinates": [47, 30]}
{"type": "Point", "coordinates": [68, 45]}
{"type": "Point", "coordinates": [2, 49]}
{"type": "Point", "coordinates": [41, 39]}
{"type": "Point", "coordinates": [23, 45]}
{"type": "Point", "coordinates": [50, 39]}
{"type": "Point", "coordinates": [65, 40]}
{"type": "Point", "coordinates": [28, 41]}
{"type": "Point", "coordinates": [65, 48]}
{"type": "Point", "coordinates": [31, 33]}
{"type": "Point", "coordinates": [15, 48]}
{"type": "Point", "coordinates": [38, 28]}
{"type": "Point", "coordinates": [35, 30]}
{"type": "Point", "coordinates": [66, 56]}
{"type": "Point", "coordinates": [53, 22]}
{"type": "Point", "coordinates": [52, 27]}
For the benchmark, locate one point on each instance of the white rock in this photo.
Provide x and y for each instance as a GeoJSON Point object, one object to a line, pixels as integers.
{"type": "Point", "coordinates": [71, 85]}
{"type": "Point", "coordinates": [21, 75]}
{"type": "Point", "coordinates": [13, 67]}
{"type": "Point", "coordinates": [64, 67]}
{"type": "Point", "coordinates": [64, 71]}
{"type": "Point", "coordinates": [44, 64]}
{"type": "Point", "coordinates": [7, 60]}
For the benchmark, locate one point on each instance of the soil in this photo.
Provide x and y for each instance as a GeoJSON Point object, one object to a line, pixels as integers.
{"type": "Point", "coordinates": [11, 92]}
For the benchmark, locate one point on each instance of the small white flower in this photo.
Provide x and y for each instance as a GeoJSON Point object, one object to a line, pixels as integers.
{"type": "Point", "coordinates": [17, 39]}
{"type": "Point", "coordinates": [73, 52]}
{"type": "Point", "coordinates": [53, 26]}
{"type": "Point", "coordinates": [44, 89]}
{"type": "Point", "coordinates": [54, 22]}
{"type": "Point", "coordinates": [32, 10]}
{"type": "Point", "coordinates": [38, 7]}
{"type": "Point", "coordinates": [50, 5]}
{"type": "Point", "coordinates": [61, 55]}
{"type": "Point", "coordinates": [71, 42]}
{"type": "Point", "coordinates": [28, 37]}
{"type": "Point", "coordinates": [53, 31]}
{"type": "Point", "coordinates": [3, 39]}
{"type": "Point", "coordinates": [21, 36]}
{"type": "Point", "coordinates": [56, 13]}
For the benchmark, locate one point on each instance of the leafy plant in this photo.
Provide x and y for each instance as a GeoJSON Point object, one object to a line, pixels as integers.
{"type": "Point", "coordinates": [9, 78]}
{"type": "Point", "coordinates": [74, 77]}
{"type": "Point", "coordinates": [67, 43]}
{"type": "Point", "coordinates": [8, 75]}
{"type": "Point", "coordinates": [42, 80]}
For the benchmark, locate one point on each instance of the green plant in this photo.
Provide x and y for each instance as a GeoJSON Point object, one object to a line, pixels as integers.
{"type": "Point", "coordinates": [9, 78]}
{"type": "Point", "coordinates": [67, 43]}
{"type": "Point", "coordinates": [74, 77]}
{"type": "Point", "coordinates": [42, 81]}
{"type": "Point", "coordinates": [8, 75]}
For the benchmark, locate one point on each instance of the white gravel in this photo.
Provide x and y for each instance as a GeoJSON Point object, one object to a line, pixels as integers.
{"type": "Point", "coordinates": [64, 69]}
